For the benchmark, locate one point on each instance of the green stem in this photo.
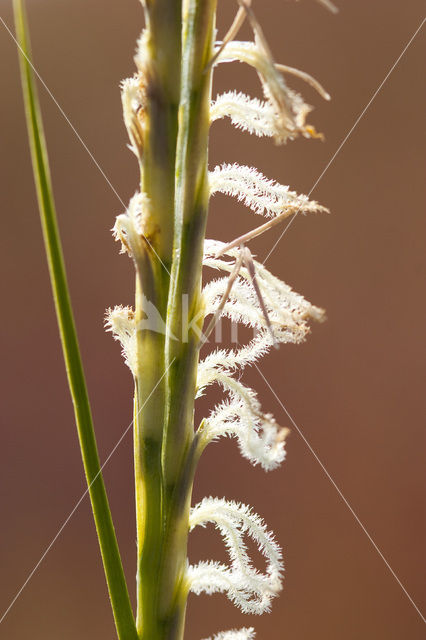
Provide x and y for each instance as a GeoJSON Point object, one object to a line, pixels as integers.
{"type": "Point", "coordinates": [185, 308]}
{"type": "Point", "coordinates": [117, 587]}
{"type": "Point", "coordinates": [185, 311]}
{"type": "Point", "coordinates": [174, 177]}
{"type": "Point", "coordinates": [160, 75]}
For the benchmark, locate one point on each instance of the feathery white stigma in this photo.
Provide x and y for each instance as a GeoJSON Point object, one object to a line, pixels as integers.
{"type": "Point", "coordinates": [234, 634]}
{"type": "Point", "coordinates": [120, 321]}
{"type": "Point", "coordinates": [260, 439]}
{"type": "Point", "coordinates": [288, 310]}
{"type": "Point", "coordinates": [248, 114]}
{"type": "Point", "coordinates": [247, 587]}
{"type": "Point", "coordinates": [262, 195]}
{"type": "Point", "coordinates": [289, 107]}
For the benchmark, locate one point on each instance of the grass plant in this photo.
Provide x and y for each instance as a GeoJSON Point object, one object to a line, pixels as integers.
{"type": "Point", "coordinates": [169, 112]}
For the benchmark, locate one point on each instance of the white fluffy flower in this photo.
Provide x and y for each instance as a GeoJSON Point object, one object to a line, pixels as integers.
{"type": "Point", "coordinates": [262, 195]}
{"type": "Point", "coordinates": [260, 439]}
{"type": "Point", "coordinates": [132, 99]}
{"type": "Point", "coordinates": [134, 228]}
{"type": "Point", "coordinates": [248, 114]}
{"type": "Point", "coordinates": [289, 311]}
{"type": "Point", "coordinates": [248, 588]}
{"type": "Point", "coordinates": [289, 108]}
{"type": "Point", "coordinates": [120, 321]}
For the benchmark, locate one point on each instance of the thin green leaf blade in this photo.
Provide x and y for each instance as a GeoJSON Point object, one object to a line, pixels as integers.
{"type": "Point", "coordinates": [123, 615]}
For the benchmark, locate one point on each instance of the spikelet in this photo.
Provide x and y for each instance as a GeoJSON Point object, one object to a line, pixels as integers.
{"type": "Point", "coordinates": [133, 102]}
{"type": "Point", "coordinates": [120, 321]}
{"type": "Point", "coordinates": [134, 228]}
{"type": "Point", "coordinates": [288, 310]}
{"type": "Point", "coordinates": [290, 110]}
{"type": "Point", "coordinates": [260, 439]}
{"type": "Point", "coordinates": [251, 590]}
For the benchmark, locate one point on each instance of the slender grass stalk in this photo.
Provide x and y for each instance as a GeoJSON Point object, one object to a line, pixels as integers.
{"type": "Point", "coordinates": [120, 601]}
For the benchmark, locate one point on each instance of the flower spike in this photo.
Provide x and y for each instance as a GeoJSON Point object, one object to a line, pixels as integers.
{"type": "Point", "coordinates": [244, 292]}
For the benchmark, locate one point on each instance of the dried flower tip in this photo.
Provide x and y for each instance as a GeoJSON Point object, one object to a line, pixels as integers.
{"type": "Point", "coordinates": [263, 196]}
{"type": "Point", "coordinates": [232, 277]}
{"type": "Point", "coordinates": [231, 33]}
{"type": "Point", "coordinates": [287, 113]}
{"type": "Point", "coordinates": [263, 43]}
{"type": "Point", "coordinates": [120, 321]}
{"type": "Point", "coordinates": [288, 311]}
{"type": "Point", "coordinates": [306, 77]}
{"type": "Point", "coordinates": [248, 588]}
{"type": "Point", "coordinates": [249, 264]}
{"type": "Point", "coordinates": [234, 634]}
{"type": "Point", "coordinates": [257, 29]}
{"type": "Point", "coordinates": [250, 235]}
{"type": "Point", "coordinates": [289, 107]}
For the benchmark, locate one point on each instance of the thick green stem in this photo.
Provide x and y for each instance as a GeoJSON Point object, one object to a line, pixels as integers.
{"type": "Point", "coordinates": [120, 601]}
{"type": "Point", "coordinates": [185, 311]}
{"type": "Point", "coordinates": [174, 176]}
{"type": "Point", "coordinates": [160, 67]}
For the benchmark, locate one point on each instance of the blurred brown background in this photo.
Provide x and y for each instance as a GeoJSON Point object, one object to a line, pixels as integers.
{"type": "Point", "coordinates": [355, 389]}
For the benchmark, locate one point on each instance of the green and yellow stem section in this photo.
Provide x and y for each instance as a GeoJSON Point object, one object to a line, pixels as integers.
{"type": "Point", "coordinates": [174, 176]}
